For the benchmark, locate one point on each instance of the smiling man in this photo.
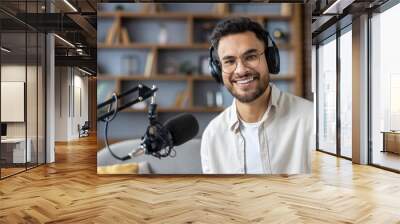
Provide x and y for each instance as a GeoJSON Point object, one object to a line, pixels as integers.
{"type": "Point", "coordinates": [265, 130]}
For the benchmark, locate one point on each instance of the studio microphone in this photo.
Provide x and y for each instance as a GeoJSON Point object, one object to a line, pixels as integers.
{"type": "Point", "coordinates": [159, 140]}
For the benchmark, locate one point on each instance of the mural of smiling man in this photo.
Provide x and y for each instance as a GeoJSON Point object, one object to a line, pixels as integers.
{"type": "Point", "coordinates": [265, 130]}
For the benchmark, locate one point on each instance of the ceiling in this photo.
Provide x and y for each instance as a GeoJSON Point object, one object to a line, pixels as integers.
{"type": "Point", "coordinates": [39, 6]}
{"type": "Point", "coordinates": [332, 15]}
{"type": "Point", "coordinates": [76, 24]}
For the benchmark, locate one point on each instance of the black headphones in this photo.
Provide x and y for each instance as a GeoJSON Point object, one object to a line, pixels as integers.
{"type": "Point", "coordinates": [271, 55]}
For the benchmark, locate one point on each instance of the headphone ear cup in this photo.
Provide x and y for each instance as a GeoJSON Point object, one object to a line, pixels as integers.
{"type": "Point", "coordinates": [273, 59]}
{"type": "Point", "coordinates": [215, 70]}
{"type": "Point", "coordinates": [272, 55]}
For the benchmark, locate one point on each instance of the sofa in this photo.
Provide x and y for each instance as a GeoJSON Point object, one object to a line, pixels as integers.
{"type": "Point", "coordinates": [186, 161]}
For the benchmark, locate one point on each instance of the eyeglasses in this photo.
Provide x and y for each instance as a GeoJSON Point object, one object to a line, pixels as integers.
{"type": "Point", "coordinates": [250, 60]}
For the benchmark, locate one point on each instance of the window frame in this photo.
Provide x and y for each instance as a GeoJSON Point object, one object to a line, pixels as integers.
{"type": "Point", "coordinates": [338, 33]}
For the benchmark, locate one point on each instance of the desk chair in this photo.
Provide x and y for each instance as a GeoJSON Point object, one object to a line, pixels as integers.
{"type": "Point", "coordinates": [84, 130]}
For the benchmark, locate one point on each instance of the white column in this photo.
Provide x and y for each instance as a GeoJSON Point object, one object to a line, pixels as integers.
{"type": "Point", "coordinates": [360, 90]}
{"type": "Point", "coordinates": [50, 109]}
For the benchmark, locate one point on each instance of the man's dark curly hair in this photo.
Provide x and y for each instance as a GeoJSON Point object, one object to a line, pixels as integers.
{"type": "Point", "coordinates": [234, 25]}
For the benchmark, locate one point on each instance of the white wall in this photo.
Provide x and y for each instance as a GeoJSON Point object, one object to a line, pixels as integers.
{"type": "Point", "coordinates": [61, 103]}
{"type": "Point", "coordinates": [17, 73]}
{"type": "Point", "coordinates": [80, 93]}
{"type": "Point", "coordinates": [33, 126]}
{"type": "Point", "coordinates": [69, 82]}
{"type": "Point", "coordinates": [12, 101]}
{"type": "Point", "coordinates": [14, 73]}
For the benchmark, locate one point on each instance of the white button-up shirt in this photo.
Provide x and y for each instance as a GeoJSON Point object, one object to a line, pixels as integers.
{"type": "Point", "coordinates": [286, 138]}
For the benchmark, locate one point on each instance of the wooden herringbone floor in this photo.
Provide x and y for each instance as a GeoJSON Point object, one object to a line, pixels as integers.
{"type": "Point", "coordinates": [69, 191]}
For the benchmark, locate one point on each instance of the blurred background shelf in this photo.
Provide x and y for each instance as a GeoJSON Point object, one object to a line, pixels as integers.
{"type": "Point", "coordinates": [180, 110]}
{"type": "Point", "coordinates": [169, 46]}
{"type": "Point", "coordinates": [176, 77]}
{"type": "Point", "coordinates": [183, 15]}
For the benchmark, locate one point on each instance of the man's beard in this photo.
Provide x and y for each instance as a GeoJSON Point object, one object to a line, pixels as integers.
{"type": "Point", "coordinates": [254, 94]}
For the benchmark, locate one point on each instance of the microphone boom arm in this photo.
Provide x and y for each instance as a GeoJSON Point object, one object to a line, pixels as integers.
{"type": "Point", "coordinates": [144, 93]}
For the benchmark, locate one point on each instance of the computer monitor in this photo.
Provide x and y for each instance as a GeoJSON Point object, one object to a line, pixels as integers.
{"type": "Point", "coordinates": [3, 129]}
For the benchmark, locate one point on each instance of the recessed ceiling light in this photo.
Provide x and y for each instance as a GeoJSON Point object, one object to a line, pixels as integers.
{"type": "Point", "coordinates": [70, 5]}
{"type": "Point", "coordinates": [65, 41]}
{"type": "Point", "coordinates": [84, 71]}
{"type": "Point", "coordinates": [5, 49]}
{"type": "Point", "coordinates": [337, 7]}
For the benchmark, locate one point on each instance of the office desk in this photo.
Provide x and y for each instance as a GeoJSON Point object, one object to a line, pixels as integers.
{"type": "Point", "coordinates": [15, 146]}
{"type": "Point", "coordinates": [391, 141]}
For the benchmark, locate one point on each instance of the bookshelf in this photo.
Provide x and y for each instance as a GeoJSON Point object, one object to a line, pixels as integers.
{"type": "Point", "coordinates": [167, 45]}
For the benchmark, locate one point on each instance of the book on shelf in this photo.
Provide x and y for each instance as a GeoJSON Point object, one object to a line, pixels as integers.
{"type": "Point", "coordinates": [125, 36]}
{"type": "Point", "coordinates": [179, 99]}
{"type": "Point", "coordinates": [117, 39]}
{"type": "Point", "coordinates": [149, 64]}
{"type": "Point", "coordinates": [117, 34]}
{"type": "Point", "coordinates": [111, 33]}
{"type": "Point", "coordinates": [182, 99]}
{"type": "Point", "coordinates": [150, 8]}
{"type": "Point", "coordinates": [286, 9]}
{"type": "Point", "coordinates": [221, 8]}
{"type": "Point", "coordinates": [185, 103]}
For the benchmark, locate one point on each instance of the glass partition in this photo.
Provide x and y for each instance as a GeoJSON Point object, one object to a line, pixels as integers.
{"type": "Point", "coordinates": [14, 153]}
{"type": "Point", "coordinates": [22, 89]}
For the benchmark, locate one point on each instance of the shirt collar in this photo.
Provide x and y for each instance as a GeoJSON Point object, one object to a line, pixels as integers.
{"type": "Point", "coordinates": [234, 119]}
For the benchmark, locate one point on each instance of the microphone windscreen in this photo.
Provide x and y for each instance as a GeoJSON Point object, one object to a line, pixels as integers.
{"type": "Point", "coordinates": [182, 127]}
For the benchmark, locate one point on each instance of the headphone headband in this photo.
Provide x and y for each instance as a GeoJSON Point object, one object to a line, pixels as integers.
{"type": "Point", "coordinates": [271, 56]}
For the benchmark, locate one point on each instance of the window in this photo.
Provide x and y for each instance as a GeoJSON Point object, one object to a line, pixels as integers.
{"type": "Point", "coordinates": [385, 89]}
{"type": "Point", "coordinates": [327, 95]}
{"type": "Point", "coordinates": [346, 92]}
